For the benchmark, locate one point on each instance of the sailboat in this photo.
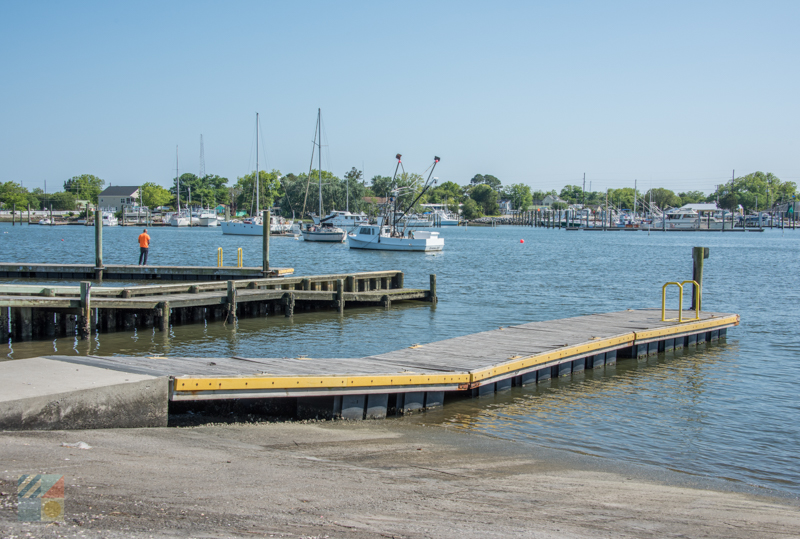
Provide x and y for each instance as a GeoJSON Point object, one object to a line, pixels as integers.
{"type": "Point", "coordinates": [178, 218]}
{"type": "Point", "coordinates": [386, 235]}
{"type": "Point", "coordinates": [322, 231]}
{"type": "Point", "coordinates": [254, 226]}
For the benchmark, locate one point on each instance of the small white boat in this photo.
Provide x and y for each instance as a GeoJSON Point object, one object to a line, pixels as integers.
{"type": "Point", "coordinates": [416, 221]}
{"type": "Point", "coordinates": [380, 237]}
{"type": "Point", "coordinates": [109, 219]}
{"type": "Point", "coordinates": [325, 232]}
{"type": "Point", "coordinates": [684, 219]}
{"type": "Point", "coordinates": [343, 219]}
{"type": "Point", "coordinates": [45, 221]}
{"type": "Point", "coordinates": [205, 218]}
{"type": "Point", "coordinates": [181, 218]}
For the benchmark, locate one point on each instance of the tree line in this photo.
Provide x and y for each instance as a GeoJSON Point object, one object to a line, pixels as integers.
{"type": "Point", "coordinates": [298, 194]}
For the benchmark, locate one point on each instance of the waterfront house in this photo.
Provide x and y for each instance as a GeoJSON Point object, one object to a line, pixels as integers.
{"type": "Point", "coordinates": [117, 197]}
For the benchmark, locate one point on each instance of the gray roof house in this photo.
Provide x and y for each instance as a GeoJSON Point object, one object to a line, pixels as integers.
{"type": "Point", "coordinates": [116, 197]}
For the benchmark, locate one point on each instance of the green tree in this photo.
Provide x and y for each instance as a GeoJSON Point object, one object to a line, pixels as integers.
{"type": "Point", "coordinates": [519, 194]}
{"type": "Point", "coordinates": [154, 195]}
{"type": "Point", "coordinates": [470, 210]}
{"type": "Point", "coordinates": [62, 201]}
{"type": "Point", "coordinates": [691, 197]}
{"type": "Point", "coordinates": [85, 187]}
{"type": "Point", "coordinates": [757, 187]}
{"type": "Point", "coordinates": [663, 198]}
{"type": "Point", "coordinates": [572, 194]}
{"type": "Point", "coordinates": [269, 188]}
{"type": "Point", "coordinates": [486, 179]}
{"type": "Point", "coordinates": [486, 198]}
{"type": "Point", "coordinates": [13, 193]}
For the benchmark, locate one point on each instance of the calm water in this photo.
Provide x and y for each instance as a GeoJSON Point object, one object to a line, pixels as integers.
{"type": "Point", "coordinates": [728, 410]}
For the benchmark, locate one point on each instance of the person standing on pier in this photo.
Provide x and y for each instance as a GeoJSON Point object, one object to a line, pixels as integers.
{"type": "Point", "coordinates": [144, 247]}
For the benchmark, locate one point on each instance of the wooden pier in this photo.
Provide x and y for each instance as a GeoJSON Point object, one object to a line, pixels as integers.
{"type": "Point", "coordinates": [83, 272]}
{"type": "Point", "coordinates": [34, 312]}
{"type": "Point", "coordinates": [423, 375]}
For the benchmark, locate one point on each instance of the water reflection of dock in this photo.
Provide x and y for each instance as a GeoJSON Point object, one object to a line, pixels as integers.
{"type": "Point", "coordinates": [371, 387]}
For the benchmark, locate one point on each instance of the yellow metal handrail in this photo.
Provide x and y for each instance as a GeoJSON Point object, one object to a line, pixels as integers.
{"type": "Point", "coordinates": [696, 298]}
{"type": "Point", "coordinates": [219, 257]}
{"type": "Point", "coordinates": [239, 258]}
{"type": "Point", "coordinates": [664, 302]}
{"type": "Point", "coordinates": [680, 302]}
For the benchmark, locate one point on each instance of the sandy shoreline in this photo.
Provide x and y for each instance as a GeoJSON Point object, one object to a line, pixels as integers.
{"type": "Point", "coordinates": [363, 480]}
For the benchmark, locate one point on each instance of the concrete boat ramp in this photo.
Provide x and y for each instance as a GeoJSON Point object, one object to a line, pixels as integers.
{"type": "Point", "coordinates": [65, 392]}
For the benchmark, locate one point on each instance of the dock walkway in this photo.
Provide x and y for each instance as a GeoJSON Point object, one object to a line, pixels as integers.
{"type": "Point", "coordinates": [420, 376]}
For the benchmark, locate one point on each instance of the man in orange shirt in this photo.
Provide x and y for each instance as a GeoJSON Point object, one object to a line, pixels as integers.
{"type": "Point", "coordinates": [144, 246]}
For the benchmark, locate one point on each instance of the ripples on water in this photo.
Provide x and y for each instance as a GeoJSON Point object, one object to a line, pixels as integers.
{"type": "Point", "coordinates": [727, 410]}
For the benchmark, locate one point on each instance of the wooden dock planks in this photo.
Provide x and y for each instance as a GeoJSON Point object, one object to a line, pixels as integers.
{"type": "Point", "coordinates": [454, 364]}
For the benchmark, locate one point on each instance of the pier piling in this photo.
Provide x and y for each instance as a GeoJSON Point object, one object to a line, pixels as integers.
{"type": "Point", "coordinates": [98, 244]}
{"type": "Point", "coordinates": [85, 320]}
{"type": "Point", "coordinates": [698, 255]}
{"type": "Point", "coordinates": [265, 250]}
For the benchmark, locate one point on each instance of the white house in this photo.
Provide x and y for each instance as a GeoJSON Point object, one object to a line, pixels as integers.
{"type": "Point", "coordinates": [117, 197]}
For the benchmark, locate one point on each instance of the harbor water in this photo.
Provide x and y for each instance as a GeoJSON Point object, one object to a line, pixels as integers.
{"type": "Point", "coordinates": [727, 410]}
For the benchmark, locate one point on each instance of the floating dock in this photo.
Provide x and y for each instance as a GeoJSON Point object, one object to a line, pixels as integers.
{"type": "Point", "coordinates": [414, 378]}
{"type": "Point", "coordinates": [35, 312]}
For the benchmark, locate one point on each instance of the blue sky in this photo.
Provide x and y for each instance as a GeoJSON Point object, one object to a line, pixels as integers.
{"type": "Point", "coordinates": [674, 94]}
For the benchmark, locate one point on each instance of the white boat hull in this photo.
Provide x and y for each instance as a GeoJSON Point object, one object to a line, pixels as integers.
{"type": "Point", "coordinates": [207, 221]}
{"type": "Point", "coordinates": [242, 229]}
{"type": "Point", "coordinates": [179, 221]}
{"type": "Point", "coordinates": [327, 237]}
{"type": "Point", "coordinates": [383, 243]}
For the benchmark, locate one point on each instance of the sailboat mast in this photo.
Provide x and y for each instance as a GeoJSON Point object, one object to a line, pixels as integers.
{"type": "Point", "coordinates": [319, 159]}
{"type": "Point", "coordinates": [178, 177]}
{"type": "Point", "coordinates": [258, 212]}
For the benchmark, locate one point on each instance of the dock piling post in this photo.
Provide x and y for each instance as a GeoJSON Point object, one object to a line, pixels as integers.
{"type": "Point", "coordinates": [698, 255]}
{"type": "Point", "coordinates": [163, 324]}
{"type": "Point", "coordinates": [51, 215]}
{"type": "Point", "coordinates": [98, 244]}
{"type": "Point", "coordinates": [14, 214]}
{"type": "Point", "coordinates": [85, 325]}
{"type": "Point", "coordinates": [231, 302]}
{"type": "Point", "coordinates": [399, 279]}
{"type": "Point", "coordinates": [265, 219]}
{"type": "Point", "coordinates": [340, 295]}
{"type": "Point", "coordinates": [350, 284]}
{"type": "Point", "coordinates": [29, 213]}
{"type": "Point", "coordinates": [288, 305]}
{"type": "Point", "coordinates": [433, 297]}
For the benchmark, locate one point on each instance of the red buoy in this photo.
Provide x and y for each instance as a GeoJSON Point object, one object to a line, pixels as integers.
{"type": "Point", "coordinates": [522, 241]}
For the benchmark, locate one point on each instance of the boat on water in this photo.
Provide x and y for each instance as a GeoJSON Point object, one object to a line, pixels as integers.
{"type": "Point", "coordinates": [343, 219]}
{"type": "Point", "coordinates": [687, 219]}
{"type": "Point", "coordinates": [441, 215]}
{"type": "Point", "coordinates": [109, 219]}
{"type": "Point", "coordinates": [326, 233]}
{"type": "Point", "coordinates": [323, 230]}
{"type": "Point", "coordinates": [45, 221]}
{"type": "Point", "coordinates": [395, 235]}
{"type": "Point", "coordinates": [179, 218]}
{"type": "Point", "coordinates": [254, 226]}
{"type": "Point", "coordinates": [417, 221]}
{"type": "Point", "coordinates": [204, 217]}
{"type": "Point", "coordinates": [385, 238]}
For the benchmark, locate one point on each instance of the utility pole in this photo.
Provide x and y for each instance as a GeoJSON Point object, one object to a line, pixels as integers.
{"type": "Point", "coordinates": [584, 189]}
